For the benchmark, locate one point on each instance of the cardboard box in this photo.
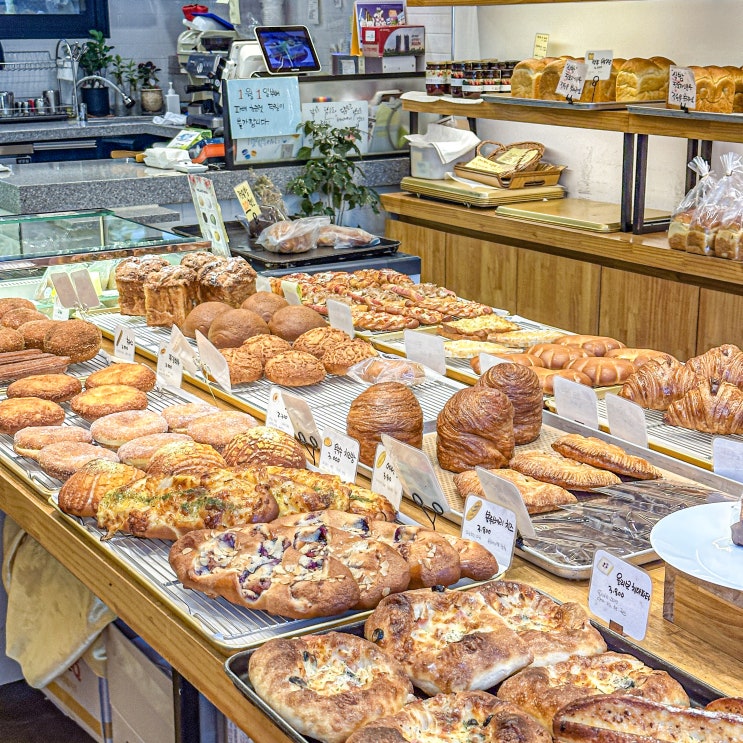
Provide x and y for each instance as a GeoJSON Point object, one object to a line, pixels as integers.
{"type": "Point", "coordinates": [378, 65]}
{"type": "Point", "coordinates": [384, 41]}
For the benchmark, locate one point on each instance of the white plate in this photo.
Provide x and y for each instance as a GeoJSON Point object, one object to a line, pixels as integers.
{"type": "Point", "coordinates": [697, 541]}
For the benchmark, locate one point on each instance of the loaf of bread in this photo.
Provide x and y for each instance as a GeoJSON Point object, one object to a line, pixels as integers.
{"type": "Point", "coordinates": [604, 90]}
{"type": "Point", "coordinates": [169, 296]}
{"type": "Point", "coordinates": [678, 229]}
{"type": "Point", "coordinates": [130, 275]}
{"type": "Point", "coordinates": [643, 80]}
{"type": "Point", "coordinates": [550, 78]}
{"type": "Point", "coordinates": [728, 241]}
{"type": "Point", "coordinates": [715, 89]}
{"type": "Point", "coordinates": [475, 428]}
{"type": "Point", "coordinates": [736, 73]}
{"type": "Point", "coordinates": [526, 76]}
{"type": "Point", "coordinates": [231, 282]}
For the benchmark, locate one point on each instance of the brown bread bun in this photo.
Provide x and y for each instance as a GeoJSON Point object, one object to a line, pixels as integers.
{"type": "Point", "coordinates": [133, 375]}
{"type": "Point", "coordinates": [556, 356]}
{"type": "Point", "coordinates": [11, 340]}
{"type": "Point", "coordinates": [54, 387]}
{"type": "Point", "coordinates": [78, 339]}
{"type": "Point", "coordinates": [28, 442]}
{"type": "Point", "coordinates": [20, 412]}
{"type": "Point", "coordinates": [387, 407]}
{"type": "Point", "coordinates": [33, 333]}
{"type": "Point", "coordinates": [15, 318]}
{"type": "Point", "coordinates": [339, 359]}
{"type": "Point", "coordinates": [264, 304]}
{"type": "Point", "coordinates": [547, 378]}
{"type": "Point", "coordinates": [262, 446]}
{"type": "Point", "coordinates": [232, 328]}
{"type": "Point", "coordinates": [12, 303]}
{"type": "Point", "coordinates": [294, 369]}
{"type": "Point", "coordinates": [603, 371]}
{"type": "Point", "coordinates": [265, 347]}
{"type": "Point", "coordinates": [290, 322]}
{"type": "Point", "coordinates": [201, 318]}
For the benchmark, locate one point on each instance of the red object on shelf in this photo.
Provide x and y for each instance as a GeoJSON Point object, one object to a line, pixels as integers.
{"type": "Point", "coordinates": [190, 10]}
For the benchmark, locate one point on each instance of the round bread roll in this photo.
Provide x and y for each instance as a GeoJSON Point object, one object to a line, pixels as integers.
{"type": "Point", "coordinates": [54, 387]}
{"type": "Point", "coordinates": [179, 416]}
{"type": "Point", "coordinates": [106, 399]}
{"type": "Point", "coordinates": [387, 407]}
{"type": "Point", "coordinates": [294, 369]}
{"type": "Point", "coordinates": [639, 356]}
{"type": "Point", "coordinates": [10, 340]}
{"type": "Point", "coordinates": [319, 340]}
{"type": "Point", "coordinates": [231, 329]}
{"type": "Point", "coordinates": [28, 442]}
{"type": "Point", "coordinates": [20, 412]}
{"type": "Point", "coordinates": [138, 452]}
{"type": "Point", "coordinates": [185, 458]}
{"type": "Point", "coordinates": [521, 386]}
{"type": "Point", "coordinates": [290, 322]}
{"type": "Point", "coordinates": [201, 318]}
{"type": "Point", "coordinates": [475, 428]}
{"type": "Point", "coordinates": [262, 446]}
{"type": "Point", "coordinates": [265, 347]}
{"type": "Point", "coordinates": [139, 376]}
{"type": "Point", "coordinates": [34, 332]}
{"type": "Point", "coordinates": [78, 339]}
{"type": "Point", "coordinates": [603, 371]}
{"type": "Point", "coordinates": [244, 366]}
{"type": "Point", "coordinates": [15, 318]}
{"type": "Point", "coordinates": [556, 356]}
{"type": "Point", "coordinates": [339, 359]}
{"type": "Point", "coordinates": [218, 429]}
{"type": "Point", "coordinates": [264, 304]}
{"type": "Point", "coordinates": [547, 377]}
{"type": "Point", "coordinates": [596, 345]}
{"type": "Point", "coordinates": [117, 428]}
{"type": "Point", "coordinates": [64, 459]}
{"type": "Point", "coordinates": [13, 303]}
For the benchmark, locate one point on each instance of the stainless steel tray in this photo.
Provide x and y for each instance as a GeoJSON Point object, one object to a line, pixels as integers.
{"type": "Point", "coordinates": [659, 109]}
{"type": "Point", "coordinates": [577, 105]}
{"type": "Point", "coordinates": [699, 693]}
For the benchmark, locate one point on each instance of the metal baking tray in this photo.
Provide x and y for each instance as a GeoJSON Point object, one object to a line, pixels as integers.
{"type": "Point", "coordinates": [699, 693]}
{"type": "Point", "coordinates": [577, 105]}
{"type": "Point", "coordinates": [658, 109]}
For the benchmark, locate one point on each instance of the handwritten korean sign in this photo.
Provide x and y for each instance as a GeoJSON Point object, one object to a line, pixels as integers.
{"type": "Point", "coordinates": [340, 114]}
{"type": "Point", "coordinates": [682, 88]}
{"type": "Point", "coordinates": [261, 108]}
{"type": "Point", "coordinates": [572, 80]}
{"type": "Point", "coordinates": [599, 64]}
{"type": "Point", "coordinates": [247, 200]}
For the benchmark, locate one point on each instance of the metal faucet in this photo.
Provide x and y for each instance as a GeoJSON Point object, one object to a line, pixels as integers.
{"type": "Point", "coordinates": [128, 100]}
{"type": "Point", "coordinates": [73, 53]}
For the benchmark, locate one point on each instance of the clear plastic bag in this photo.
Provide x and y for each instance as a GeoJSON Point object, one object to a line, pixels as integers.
{"type": "Point", "coordinates": [295, 236]}
{"type": "Point", "coordinates": [337, 236]}
{"type": "Point", "coordinates": [729, 238]}
{"type": "Point", "coordinates": [684, 213]}
{"type": "Point", "coordinates": [375, 370]}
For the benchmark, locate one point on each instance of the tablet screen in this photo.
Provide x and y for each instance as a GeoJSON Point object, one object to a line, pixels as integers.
{"type": "Point", "coordinates": [287, 49]}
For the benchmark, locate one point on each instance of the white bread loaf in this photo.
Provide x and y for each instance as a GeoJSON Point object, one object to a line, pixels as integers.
{"type": "Point", "coordinates": [715, 89]}
{"type": "Point", "coordinates": [550, 78]}
{"type": "Point", "coordinates": [642, 80]}
{"type": "Point", "coordinates": [526, 75]}
{"type": "Point", "coordinates": [606, 90]}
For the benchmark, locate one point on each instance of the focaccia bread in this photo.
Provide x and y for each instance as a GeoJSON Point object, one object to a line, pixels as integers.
{"type": "Point", "coordinates": [327, 686]}
{"type": "Point", "coordinates": [562, 471]}
{"type": "Point", "coordinates": [476, 328]}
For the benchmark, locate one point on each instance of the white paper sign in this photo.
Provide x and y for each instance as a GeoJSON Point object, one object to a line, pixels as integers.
{"type": "Point", "coordinates": [276, 415]}
{"type": "Point", "coordinates": [572, 80]}
{"type": "Point", "coordinates": [626, 420]}
{"type": "Point", "coordinates": [291, 292]}
{"type": "Point", "coordinates": [180, 346]}
{"type": "Point", "coordinates": [426, 349]}
{"type": "Point", "coordinates": [577, 402]}
{"type": "Point", "coordinates": [213, 363]}
{"type": "Point", "coordinates": [125, 343]}
{"type": "Point", "coordinates": [540, 46]}
{"type": "Point", "coordinates": [682, 87]}
{"type": "Point", "coordinates": [59, 311]}
{"type": "Point", "coordinates": [384, 478]}
{"type": "Point", "coordinates": [339, 315]}
{"type": "Point", "coordinates": [86, 292]}
{"type": "Point", "coordinates": [341, 114]}
{"type": "Point", "coordinates": [339, 454]}
{"type": "Point", "coordinates": [727, 458]}
{"type": "Point", "coordinates": [169, 367]}
{"type": "Point", "coordinates": [416, 474]}
{"type": "Point", "coordinates": [66, 294]}
{"type": "Point", "coordinates": [262, 284]}
{"type": "Point", "coordinates": [505, 493]}
{"type": "Point", "coordinates": [492, 526]}
{"type": "Point", "coordinates": [598, 64]}
{"type": "Point", "coordinates": [620, 594]}
{"type": "Point", "coordinates": [487, 361]}
{"type": "Point", "coordinates": [303, 422]}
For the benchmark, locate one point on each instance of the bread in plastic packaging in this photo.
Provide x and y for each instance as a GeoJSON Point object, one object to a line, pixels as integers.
{"type": "Point", "coordinates": [292, 236]}
{"type": "Point", "coordinates": [729, 238]}
{"type": "Point", "coordinates": [682, 215]}
{"type": "Point", "coordinates": [337, 236]}
{"type": "Point", "coordinates": [375, 370]}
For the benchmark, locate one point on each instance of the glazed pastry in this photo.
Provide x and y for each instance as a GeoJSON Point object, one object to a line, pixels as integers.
{"type": "Point", "coordinates": [603, 371]}
{"type": "Point", "coordinates": [658, 383]}
{"type": "Point", "coordinates": [556, 355]}
{"type": "Point", "coordinates": [712, 407]}
{"type": "Point", "coordinates": [547, 378]}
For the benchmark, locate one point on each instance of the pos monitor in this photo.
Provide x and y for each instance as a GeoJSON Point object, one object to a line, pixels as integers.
{"type": "Point", "coordinates": [288, 50]}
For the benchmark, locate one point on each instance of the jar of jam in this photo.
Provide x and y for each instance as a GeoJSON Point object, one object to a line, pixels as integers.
{"type": "Point", "coordinates": [472, 80]}
{"type": "Point", "coordinates": [446, 78]}
{"type": "Point", "coordinates": [455, 79]}
{"type": "Point", "coordinates": [489, 84]}
{"type": "Point", "coordinates": [434, 78]}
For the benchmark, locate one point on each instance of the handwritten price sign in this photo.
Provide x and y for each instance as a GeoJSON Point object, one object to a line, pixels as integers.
{"type": "Point", "coordinates": [339, 455]}
{"type": "Point", "coordinates": [682, 88]}
{"type": "Point", "coordinates": [492, 526]}
{"type": "Point", "coordinates": [572, 80]}
{"type": "Point", "coordinates": [263, 108]}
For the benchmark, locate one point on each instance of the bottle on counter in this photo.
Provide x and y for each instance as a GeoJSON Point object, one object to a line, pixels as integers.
{"type": "Point", "coordinates": [172, 101]}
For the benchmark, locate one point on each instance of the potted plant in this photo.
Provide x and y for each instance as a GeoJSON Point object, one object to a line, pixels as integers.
{"type": "Point", "coordinates": [94, 62]}
{"type": "Point", "coordinates": [329, 183]}
{"type": "Point", "coordinates": [152, 94]}
{"type": "Point", "coordinates": [121, 70]}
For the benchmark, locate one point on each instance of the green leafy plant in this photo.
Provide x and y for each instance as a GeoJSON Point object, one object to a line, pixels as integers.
{"type": "Point", "coordinates": [147, 72]}
{"type": "Point", "coordinates": [331, 179]}
{"type": "Point", "coordinates": [95, 58]}
{"type": "Point", "coordinates": [121, 69]}
{"type": "Point", "coordinates": [131, 75]}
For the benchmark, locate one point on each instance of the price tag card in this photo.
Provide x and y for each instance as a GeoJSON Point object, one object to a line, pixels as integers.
{"type": "Point", "coordinates": [540, 46]}
{"type": "Point", "coordinates": [169, 367]}
{"type": "Point", "coordinates": [492, 526]}
{"type": "Point", "coordinates": [66, 294]}
{"type": "Point", "coordinates": [180, 346]}
{"type": "Point", "coordinates": [276, 415]}
{"type": "Point", "coordinates": [262, 283]}
{"type": "Point", "coordinates": [339, 454]}
{"type": "Point", "coordinates": [303, 422]}
{"type": "Point", "coordinates": [384, 478]}
{"type": "Point", "coordinates": [620, 594]}
{"type": "Point", "coordinates": [59, 311]}
{"type": "Point", "coordinates": [506, 494]}
{"type": "Point", "coordinates": [576, 402]}
{"type": "Point", "coordinates": [339, 315]}
{"type": "Point", "coordinates": [626, 420]}
{"type": "Point", "coordinates": [125, 344]}
{"type": "Point", "coordinates": [213, 363]}
{"type": "Point", "coordinates": [245, 196]}
{"type": "Point", "coordinates": [488, 360]}
{"type": "Point", "coordinates": [572, 80]}
{"type": "Point", "coordinates": [209, 214]}
{"type": "Point", "coordinates": [416, 474]}
{"type": "Point", "coordinates": [291, 292]}
{"type": "Point", "coordinates": [727, 458]}
{"type": "Point", "coordinates": [682, 88]}
{"type": "Point", "coordinates": [86, 291]}
{"type": "Point", "coordinates": [598, 64]}
{"type": "Point", "coordinates": [426, 349]}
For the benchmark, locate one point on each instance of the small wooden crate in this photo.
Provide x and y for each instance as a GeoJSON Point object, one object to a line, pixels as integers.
{"type": "Point", "coordinates": [708, 611]}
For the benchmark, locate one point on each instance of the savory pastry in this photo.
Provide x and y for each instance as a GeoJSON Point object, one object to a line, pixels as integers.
{"type": "Point", "coordinates": [13, 303]}
{"type": "Point", "coordinates": [32, 334]}
{"type": "Point", "coordinates": [115, 429]}
{"type": "Point", "coordinates": [294, 369]}
{"type": "Point", "coordinates": [723, 363]}
{"type": "Point", "coordinates": [264, 304]}
{"type": "Point", "coordinates": [605, 456]}
{"type": "Point", "coordinates": [265, 347]}
{"type": "Point", "coordinates": [201, 318]}
{"type": "Point", "coordinates": [603, 371]}
{"type": "Point", "coordinates": [327, 686]}
{"type": "Point", "coordinates": [556, 355]}
{"type": "Point", "coordinates": [82, 492]}
{"type": "Point", "coordinates": [234, 327]}
{"type": "Point", "coordinates": [710, 407]}
{"type": "Point", "coordinates": [543, 691]}
{"type": "Point", "coordinates": [13, 340]}
{"type": "Point", "coordinates": [525, 359]}
{"type": "Point", "coordinates": [596, 345]}
{"type": "Point", "coordinates": [169, 296]}
{"type": "Point", "coordinates": [466, 349]}
{"type": "Point", "coordinates": [66, 457]}
{"type": "Point", "coordinates": [464, 716]}
{"type": "Point", "coordinates": [263, 445]}
{"type": "Point", "coordinates": [319, 340]}
{"type": "Point", "coordinates": [658, 383]}
{"type": "Point", "coordinates": [78, 339]}
{"type": "Point", "coordinates": [291, 321]}
{"type": "Point", "coordinates": [386, 407]}
{"type": "Point", "coordinates": [547, 378]}
{"type": "Point", "coordinates": [179, 416]}
{"type": "Point", "coordinates": [561, 471]}
{"type": "Point", "coordinates": [138, 452]}
{"type": "Point", "coordinates": [106, 399]}
{"type": "Point", "coordinates": [538, 496]}
{"type": "Point", "coordinates": [638, 356]}
{"type": "Point", "coordinates": [521, 386]}
{"type": "Point", "coordinates": [524, 338]}
{"type": "Point", "coordinates": [219, 428]}
{"type": "Point", "coordinates": [54, 387]}
{"type": "Point", "coordinates": [231, 282]}
{"type": "Point", "coordinates": [475, 562]}
{"type": "Point", "coordinates": [726, 704]}
{"type": "Point", "coordinates": [15, 318]}
{"type": "Point", "coordinates": [131, 273]}
{"type": "Point", "coordinates": [181, 458]}
{"type": "Point", "coordinates": [20, 412]}
{"type": "Point", "coordinates": [340, 358]}
{"type": "Point", "coordinates": [138, 376]}
{"type": "Point", "coordinates": [475, 428]}
{"type": "Point", "coordinates": [29, 441]}
{"type": "Point", "coordinates": [476, 328]}
{"type": "Point", "coordinates": [244, 366]}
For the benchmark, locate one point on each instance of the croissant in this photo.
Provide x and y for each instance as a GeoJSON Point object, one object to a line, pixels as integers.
{"type": "Point", "coordinates": [475, 428]}
{"type": "Point", "coordinates": [658, 383]}
{"type": "Point", "coordinates": [712, 407]}
{"type": "Point", "coordinates": [522, 387]}
{"type": "Point", "coordinates": [724, 363]}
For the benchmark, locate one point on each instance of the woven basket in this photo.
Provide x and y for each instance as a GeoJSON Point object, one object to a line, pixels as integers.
{"type": "Point", "coordinates": [511, 158]}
